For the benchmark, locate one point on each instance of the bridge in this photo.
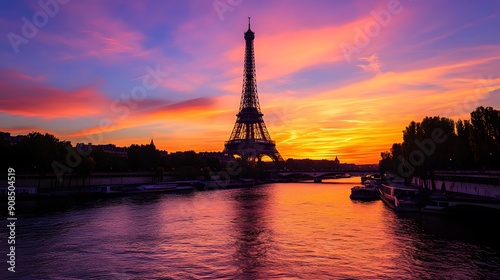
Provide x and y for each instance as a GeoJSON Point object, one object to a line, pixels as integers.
{"type": "Point", "coordinates": [318, 176]}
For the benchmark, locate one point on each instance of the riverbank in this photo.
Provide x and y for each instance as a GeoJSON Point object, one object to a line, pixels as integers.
{"type": "Point", "coordinates": [102, 191]}
{"type": "Point", "coordinates": [63, 199]}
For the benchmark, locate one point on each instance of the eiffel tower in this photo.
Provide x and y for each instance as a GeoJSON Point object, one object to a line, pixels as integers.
{"type": "Point", "coordinates": [250, 139]}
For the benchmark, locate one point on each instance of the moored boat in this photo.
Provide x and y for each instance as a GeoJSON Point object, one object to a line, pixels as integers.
{"type": "Point", "coordinates": [402, 197]}
{"type": "Point", "coordinates": [20, 193]}
{"type": "Point", "coordinates": [364, 192]}
{"type": "Point", "coordinates": [371, 177]}
{"type": "Point", "coordinates": [166, 186]}
{"type": "Point", "coordinates": [108, 190]}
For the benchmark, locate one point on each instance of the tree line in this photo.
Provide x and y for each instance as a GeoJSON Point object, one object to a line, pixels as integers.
{"type": "Point", "coordinates": [44, 154]}
{"type": "Point", "coordinates": [439, 143]}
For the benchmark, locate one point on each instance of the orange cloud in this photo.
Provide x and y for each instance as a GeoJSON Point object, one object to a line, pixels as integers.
{"type": "Point", "coordinates": [362, 119]}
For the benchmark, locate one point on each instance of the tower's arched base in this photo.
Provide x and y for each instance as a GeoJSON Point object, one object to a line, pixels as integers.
{"type": "Point", "coordinates": [253, 150]}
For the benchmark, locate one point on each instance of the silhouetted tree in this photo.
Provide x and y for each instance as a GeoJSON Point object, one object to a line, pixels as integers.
{"type": "Point", "coordinates": [143, 158]}
{"type": "Point", "coordinates": [7, 152]}
{"type": "Point", "coordinates": [86, 167]}
{"type": "Point", "coordinates": [391, 160]}
{"type": "Point", "coordinates": [463, 155]}
{"type": "Point", "coordinates": [473, 144]}
{"type": "Point", "coordinates": [37, 151]}
{"type": "Point", "coordinates": [106, 162]}
{"type": "Point", "coordinates": [485, 138]}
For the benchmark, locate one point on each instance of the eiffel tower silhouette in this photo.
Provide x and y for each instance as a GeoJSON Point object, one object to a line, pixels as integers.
{"type": "Point", "coordinates": [250, 139]}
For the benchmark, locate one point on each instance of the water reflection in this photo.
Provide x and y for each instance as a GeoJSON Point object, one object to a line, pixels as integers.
{"type": "Point", "coordinates": [253, 239]}
{"type": "Point", "coordinates": [478, 230]}
{"type": "Point", "coordinates": [446, 247]}
{"type": "Point", "coordinates": [282, 231]}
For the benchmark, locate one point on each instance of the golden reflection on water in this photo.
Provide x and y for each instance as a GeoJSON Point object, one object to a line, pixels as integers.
{"type": "Point", "coordinates": [283, 231]}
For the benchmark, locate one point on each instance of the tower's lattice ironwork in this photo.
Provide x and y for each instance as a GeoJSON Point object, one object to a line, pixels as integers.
{"type": "Point", "coordinates": [250, 139]}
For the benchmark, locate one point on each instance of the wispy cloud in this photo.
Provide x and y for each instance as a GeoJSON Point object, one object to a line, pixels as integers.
{"type": "Point", "coordinates": [372, 64]}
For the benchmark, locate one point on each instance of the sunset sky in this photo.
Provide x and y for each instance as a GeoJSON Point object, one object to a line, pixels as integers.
{"type": "Point", "coordinates": [335, 78]}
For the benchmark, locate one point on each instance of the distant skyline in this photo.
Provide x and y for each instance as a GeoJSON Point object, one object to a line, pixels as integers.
{"type": "Point", "coordinates": [334, 78]}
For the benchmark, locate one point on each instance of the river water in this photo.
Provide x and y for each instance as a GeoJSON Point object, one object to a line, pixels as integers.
{"type": "Point", "coordinates": [273, 231]}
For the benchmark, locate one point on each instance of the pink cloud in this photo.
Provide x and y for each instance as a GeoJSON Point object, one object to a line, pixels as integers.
{"type": "Point", "coordinates": [35, 100]}
{"type": "Point", "coordinates": [156, 111]}
{"type": "Point", "coordinates": [101, 35]}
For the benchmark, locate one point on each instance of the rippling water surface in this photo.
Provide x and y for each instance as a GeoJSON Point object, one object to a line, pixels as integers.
{"type": "Point", "coordinates": [284, 231]}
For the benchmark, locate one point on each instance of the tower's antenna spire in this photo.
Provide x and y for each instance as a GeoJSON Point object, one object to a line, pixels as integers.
{"type": "Point", "coordinates": [248, 22]}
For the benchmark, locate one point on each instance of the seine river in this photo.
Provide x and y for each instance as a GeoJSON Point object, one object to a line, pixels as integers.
{"type": "Point", "coordinates": [274, 231]}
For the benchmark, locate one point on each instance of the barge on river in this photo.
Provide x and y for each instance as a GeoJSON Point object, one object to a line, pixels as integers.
{"type": "Point", "coordinates": [402, 197]}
